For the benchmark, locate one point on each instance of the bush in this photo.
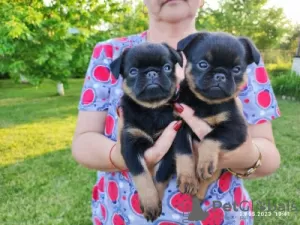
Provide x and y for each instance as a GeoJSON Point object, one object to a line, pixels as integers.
{"type": "Point", "coordinates": [287, 84]}
{"type": "Point", "coordinates": [51, 41]}
{"type": "Point", "coordinates": [4, 76]}
{"type": "Point", "coordinates": [278, 69]}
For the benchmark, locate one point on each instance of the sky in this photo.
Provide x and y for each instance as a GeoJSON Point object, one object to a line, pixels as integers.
{"type": "Point", "coordinates": [291, 10]}
{"type": "Point", "coordinates": [289, 6]}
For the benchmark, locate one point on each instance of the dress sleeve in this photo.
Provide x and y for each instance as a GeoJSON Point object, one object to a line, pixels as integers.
{"type": "Point", "coordinates": [258, 99]}
{"type": "Point", "coordinates": [95, 93]}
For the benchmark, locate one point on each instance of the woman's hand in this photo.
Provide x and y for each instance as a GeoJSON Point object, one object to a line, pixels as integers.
{"type": "Point", "coordinates": [199, 126]}
{"type": "Point", "coordinates": [152, 155]}
{"type": "Point", "coordinates": [243, 157]}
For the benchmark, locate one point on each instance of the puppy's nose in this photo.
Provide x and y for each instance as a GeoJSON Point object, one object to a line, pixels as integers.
{"type": "Point", "coordinates": [220, 77]}
{"type": "Point", "coordinates": [152, 74]}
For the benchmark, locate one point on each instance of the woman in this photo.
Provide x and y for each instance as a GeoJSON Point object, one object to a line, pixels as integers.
{"type": "Point", "coordinates": [115, 200]}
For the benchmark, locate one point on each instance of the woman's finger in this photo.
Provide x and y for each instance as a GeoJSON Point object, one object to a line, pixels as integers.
{"type": "Point", "coordinates": [163, 143]}
{"type": "Point", "coordinates": [199, 127]}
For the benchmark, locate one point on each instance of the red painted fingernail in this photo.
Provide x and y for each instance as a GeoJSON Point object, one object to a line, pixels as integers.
{"type": "Point", "coordinates": [177, 125]}
{"type": "Point", "coordinates": [178, 107]}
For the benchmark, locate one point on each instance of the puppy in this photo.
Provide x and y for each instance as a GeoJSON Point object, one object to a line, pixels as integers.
{"type": "Point", "coordinates": [149, 84]}
{"type": "Point", "coordinates": [214, 74]}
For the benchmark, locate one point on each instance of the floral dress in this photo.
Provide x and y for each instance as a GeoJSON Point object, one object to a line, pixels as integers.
{"type": "Point", "coordinates": [114, 196]}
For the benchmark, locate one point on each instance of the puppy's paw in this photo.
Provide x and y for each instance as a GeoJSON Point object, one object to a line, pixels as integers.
{"type": "Point", "coordinates": [186, 177]}
{"type": "Point", "coordinates": [205, 169]}
{"type": "Point", "coordinates": [150, 202]}
{"type": "Point", "coordinates": [187, 184]}
{"type": "Point", "coordinates": [208, 159]}
{"type": "Point", "coordinates": [151, 211]}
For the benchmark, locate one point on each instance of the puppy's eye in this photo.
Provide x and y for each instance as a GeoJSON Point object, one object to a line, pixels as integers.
{"type": "Point", "coordinates": [236, 69]}
{"type": "Point", "coordinates": [133, 71]}
{"type": "Point", "coordinates": [167, 68]}
{"type": "Point", "coordinates": [203, 64]}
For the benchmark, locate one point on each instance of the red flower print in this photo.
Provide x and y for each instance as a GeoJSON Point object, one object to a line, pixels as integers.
{"type": "Point", "coordinates": [88, 96]}
{"type": "Point", "coordinates": [109, 125]}
{"type": "Point", "coordinates": [264, 99]}
{"type": "Point", "coordinates": [101, 73]}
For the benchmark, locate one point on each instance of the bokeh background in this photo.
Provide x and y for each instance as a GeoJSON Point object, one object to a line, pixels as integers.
{"type": "Point", "coordinates": [45, 47]}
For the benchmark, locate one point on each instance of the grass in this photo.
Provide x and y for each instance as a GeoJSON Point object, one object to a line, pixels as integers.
{"type": "Point", "coordinates": [40, 183]}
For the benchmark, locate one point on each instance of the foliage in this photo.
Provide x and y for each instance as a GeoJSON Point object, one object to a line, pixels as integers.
{"type": "Point", "coordinates": [35, 39]}
{"type": "Point", "coordinates": [55, 40]}
{"type": "Point", "coordinates": [278, 69]}
{"type": "Point", "coordinates": [266, 26]}
{"type": "Point", "coordinates": [4, 76]}
{"type": "Point", "coordinates": [277, 56]}
{"type": "Point", "coordinates": [292, 40]}
{"type": "Point", "coordinates": [287, 84]}
{"type": "Point", "coordinates": [133, 20]}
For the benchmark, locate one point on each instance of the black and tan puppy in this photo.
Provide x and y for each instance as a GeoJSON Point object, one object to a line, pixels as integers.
{"type": "Point", "coordinates": [214, 73]}
{"type": "Point", "coordinates": [149, 84]}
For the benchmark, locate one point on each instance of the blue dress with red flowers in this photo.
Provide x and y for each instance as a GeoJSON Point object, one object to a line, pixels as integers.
{"type": "Point", "coordinates": [114, 197]}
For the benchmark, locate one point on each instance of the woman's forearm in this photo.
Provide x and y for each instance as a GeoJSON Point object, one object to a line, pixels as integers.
{"type": "Point", "coordinates": [92, 150]}
{"type": "Point", "coordinates": [245, 157]}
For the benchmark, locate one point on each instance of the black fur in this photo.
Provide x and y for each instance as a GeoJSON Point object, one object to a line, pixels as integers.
{"type": "Point", "coordinates": [211, 94]}
{"type": "Point", "coordinates": [147, 109]}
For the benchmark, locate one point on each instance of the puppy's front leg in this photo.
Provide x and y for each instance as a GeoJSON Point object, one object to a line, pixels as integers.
{"type": "Point", "coordinates": [204, 184]}
{"type": "Point", "coordinates": [163, 171]}
{"type": "Point", "coordinates": [134, 143]}
{"type": "Point", "coordinates": [227, 136]}
{"type": "Point", "coordinates": [185, 163]}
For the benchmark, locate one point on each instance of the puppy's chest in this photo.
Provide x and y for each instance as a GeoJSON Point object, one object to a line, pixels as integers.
{"type": "Point", "coordinates": [151, 121]}
{"type": "Point", "coordinates": [158, 121]}
{"type": "Point", "coordinates": [213, 114]}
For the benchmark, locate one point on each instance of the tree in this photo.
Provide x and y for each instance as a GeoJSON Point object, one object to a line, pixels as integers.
{"type": "Point", "coordinates": [133, 20]}
{"type": "Point", "coordinates": [38, 41]}
{"type": "Point", "coordinates": [291, 42]}
{"type": "Point", "coordinates": [265, 26]}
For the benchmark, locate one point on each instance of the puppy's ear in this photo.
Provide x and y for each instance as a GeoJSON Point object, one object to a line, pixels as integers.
{"type": "Point", "coordinates": [175, 54]}
{"type": "Point", "coordinates": [185, 42]}
{"type": "Point", "coordinates": [252, 53]}
{"type": "Point", "coordinates": [116, 66]}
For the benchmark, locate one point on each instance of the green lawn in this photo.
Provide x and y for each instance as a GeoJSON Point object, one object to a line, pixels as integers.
{"type": "Point", "coordinates": [40, 183]}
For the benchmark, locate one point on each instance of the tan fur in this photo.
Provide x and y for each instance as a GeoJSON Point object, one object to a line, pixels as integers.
{"type": "Point", "coordinates": [191, 83]}
{"type": "Point", "coordinates": [237, 59]}
{"type": "Point", "coordinates": [208, 152]}
{"type": "Point", "coordinates": [209, 56]}
{"type": "Point", "coordinates": [216, 119]}
{"type": "Point", "coordinates": [185, 168]}
{"type": "Point", "coordinates": [152, 105]}
{"type": "Point", "coordinates": [203, 186]}
{"type": "Point", "coordinates": [157, 134]}
{"type": "Point", "coordinates": [148, 195]}
{"type": "Point", "coordinates": [161, 187]}
{"type": "Point", "coordinates": [176, 114]}
{"type": "Point", "coordinates": [139, 133]}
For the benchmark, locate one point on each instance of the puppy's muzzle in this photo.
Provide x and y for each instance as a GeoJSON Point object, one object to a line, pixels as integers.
{"type": "Point", "coordinates": [220, 78]}
{"type": "Point", "coordinates": [152, 78]}
{"type": "Point", "coordinates": [151, 75]}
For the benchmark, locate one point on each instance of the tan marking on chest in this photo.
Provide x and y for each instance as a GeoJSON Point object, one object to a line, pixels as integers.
{"type": "Point", "coordinates": [157, 134]}
{"type": "Point", "coordinates": [217, 119]}
{"type": "Point", "coordinates": [139, 133]}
